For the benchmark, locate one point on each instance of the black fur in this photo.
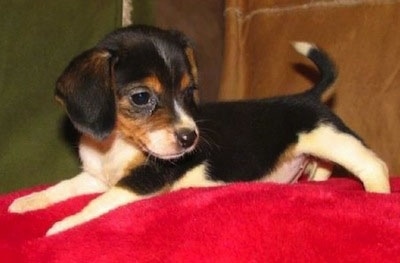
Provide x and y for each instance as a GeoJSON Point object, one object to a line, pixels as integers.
{"type": "Point", "coordinates": [133, 53]}
{"type": "Point", "coordinates": [239, 141]}
{"type": "Point", "coordinates": [135, 93]}
{"type": "Point", "coordinates": [87, 92]}
{"type": "Point", "coordinates": [243, 141]}
{"type": "Point", "coordinates": [327, 69]}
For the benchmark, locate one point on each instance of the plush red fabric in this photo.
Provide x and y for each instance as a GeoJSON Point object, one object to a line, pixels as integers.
{"type": "Point", "coordinates": [333, 221]}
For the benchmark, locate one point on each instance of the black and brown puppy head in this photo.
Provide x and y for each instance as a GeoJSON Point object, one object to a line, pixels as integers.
{"type": "Point", "coordinates": [140, 81]}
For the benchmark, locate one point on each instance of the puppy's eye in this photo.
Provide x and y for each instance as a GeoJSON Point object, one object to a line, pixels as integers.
{"type": "Point", "coordinates": [141, 98]}
{"type": "Point", "coordinates": [190, 91]}
{"type": "Point", "coordinates": [143, 101]}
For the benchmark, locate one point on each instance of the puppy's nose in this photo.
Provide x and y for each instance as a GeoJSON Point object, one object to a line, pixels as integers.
{"type": "Point", "coordinates": [186, 137]}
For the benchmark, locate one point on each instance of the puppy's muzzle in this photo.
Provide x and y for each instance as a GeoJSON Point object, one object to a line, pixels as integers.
{"type": "Point", "coordinates": [186, 137]}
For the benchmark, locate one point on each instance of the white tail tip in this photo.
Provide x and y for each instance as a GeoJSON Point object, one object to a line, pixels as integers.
{"type": "Point", "coordinates": [303, 48]}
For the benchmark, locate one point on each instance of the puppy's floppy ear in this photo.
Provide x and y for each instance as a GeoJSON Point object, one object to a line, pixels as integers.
{"type": "Point", "coordinates": [86, 89]}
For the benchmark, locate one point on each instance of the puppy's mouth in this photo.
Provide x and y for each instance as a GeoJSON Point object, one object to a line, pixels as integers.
{"type": "Point", "coordinates": [170, 156]}
{"type": "Point", "coordinates": [167, 146]}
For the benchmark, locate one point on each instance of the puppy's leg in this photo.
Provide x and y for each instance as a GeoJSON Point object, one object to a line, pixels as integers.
{"type": "Point", "coordinates": [110, 200]}
{"type": "Point", "coordinates": [328, 143]}
{"type": "Point", "coordinates": [128, 192]}
{"type": "Point", "coordinates": [322, 173]}
{"type": "Point", "coordinates": [318, 170]}
{"type": "Point", "coordinates": [81, 184]}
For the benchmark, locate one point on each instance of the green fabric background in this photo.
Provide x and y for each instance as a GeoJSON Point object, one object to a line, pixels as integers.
{"type": "Point", "coordinates": [37, 40]}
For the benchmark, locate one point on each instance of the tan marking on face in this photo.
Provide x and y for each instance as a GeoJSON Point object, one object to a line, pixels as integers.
{"type": "Point", "coordinates": [193, 65]}
{"type": "Point", "coordinates": [153, 83]}
{"type": "Point", "coordinates": [185, 81]}
{"type": "Point", "coordinates": [153, 134]}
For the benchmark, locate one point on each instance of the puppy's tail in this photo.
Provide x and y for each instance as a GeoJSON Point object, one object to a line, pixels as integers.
{"type": "Point", "coordinates": [323, 89]}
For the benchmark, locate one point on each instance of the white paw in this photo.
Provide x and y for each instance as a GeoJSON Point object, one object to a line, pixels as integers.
{"type": "Point", "coordinates": [29, 202]}
{"type": "Point", "coordinates": [56, 228]}
{"type": "Point", "coordinates": [65, 224]}
{"type": "Point", "coordinates": [377, 179]}
{"type": "Point", "coordinates": [379, 186]}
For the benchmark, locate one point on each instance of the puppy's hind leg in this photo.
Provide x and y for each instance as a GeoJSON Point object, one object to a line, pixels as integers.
{"type": "Point", "coordinates": [318, 170]}
{"type": "Point", "coordinates": [328, 143]}
{"type": "Point", "coordinates": [81, 184]}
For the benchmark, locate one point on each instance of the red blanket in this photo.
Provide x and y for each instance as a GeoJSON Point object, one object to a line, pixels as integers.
{"type": "Point", "coordinates": [333, 221]}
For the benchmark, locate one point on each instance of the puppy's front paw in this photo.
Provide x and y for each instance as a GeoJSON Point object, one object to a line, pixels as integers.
{"type": "Point", "coordinates": [29, 202]}
{"type": "Point", "coordinates": [65, 224]}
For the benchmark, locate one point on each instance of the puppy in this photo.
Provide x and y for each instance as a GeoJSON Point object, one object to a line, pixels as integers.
{"type": "Point", "coordinates": [134, 99]}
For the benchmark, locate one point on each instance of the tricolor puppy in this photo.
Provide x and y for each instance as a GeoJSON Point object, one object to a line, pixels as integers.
{"type": "Point", "coordinates": [133, 97]}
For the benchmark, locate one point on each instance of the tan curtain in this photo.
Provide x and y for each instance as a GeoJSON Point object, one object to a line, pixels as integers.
{"type": "Point", "coordinates": [362, 36]}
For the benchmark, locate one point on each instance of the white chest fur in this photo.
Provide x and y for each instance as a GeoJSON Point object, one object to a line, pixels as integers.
{"type": "Point", "coordinates": [107, 160]}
